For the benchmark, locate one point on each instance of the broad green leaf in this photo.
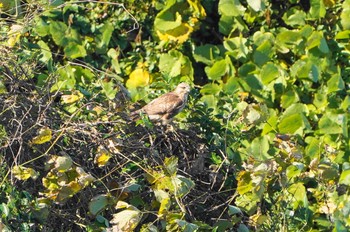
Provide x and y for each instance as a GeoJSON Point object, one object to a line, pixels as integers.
{"type": "Point", "coordinates": [293, 171]}
{"type": "Point", "coordinates": [259, 148]}
{"type": "Point", "coordinates": [236, 47]}
{"type": "Point", "coordinates": [286, 40]}
{"type": "Point", "coordinates": [103, 40]}
{"type": "Point", "coordinates": [328, 171]}
{"type": "Point", "coordinates": [234, 210]}
{"type": "Point", "coordinates": [182, 185]}
{"type": "Point", "coordinates": [317, 9]}
{"type": "Point", "coordinates": [291, 124]}
{"type": "Point", "coordinates": [217, 70]}
{"type": "Point", "coordinates": [263, 53]}
{"type": "Point", "coordinates": [317, 40]}
{"type": "Point", "coordinates": [207, 54]}
{"type": "Point", "coordinates": [172, 62]}
{"type": "Point", "coordinates": [248, 202]}
{"type": "Point", "coordinates": [345, 15]}
{"type": "Point", "coordinates": [333, 124]}
{"type": "Point", "coordinates": [58, 32]}
{"type": "Point", "coordinates": [336, 83]}
{"type": "Point", "coordinates": [108, 87]}
{"type": "Point", "coordinates": [45, 135]}
{"type": "Point", "coordinates": [210, 101]}
{"type": "Point", "coordinates": [45, 52]}
{"type": "Point", "coordinates": [313, 148]}
{"type": "Point", "coordinates": [294, 17]}
{"type": "Point", "coordinates": [269, 72]}
{"type": "Point", "coordinates": [186, 226]}
{"type": "Point", "coordinates": [242, 228]}
{"type": "Point", "coordinates": [231, 8]}
{"type": "Point", "coordinates": [74, 50]}
{"type": "Point", "coordinates": [298, 195]}
{"type": "Point", "coordinates": [345, 177]}
{"type": "Point", "coordinates": [288, 98]}
{"type": "Point", "coordinates": [98, 203]}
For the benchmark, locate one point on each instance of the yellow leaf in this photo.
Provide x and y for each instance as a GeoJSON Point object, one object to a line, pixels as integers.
{"type": "Point", "coordinates": [198, 9]}
{"type": "Point", "coordinates": [23, 173]}
{"type": "Point", "coordinates": [44, 136]}
{"type": "Point", "coordinates": [179, 34]}
{"type": "Point", "coordinates": [14, 35]}
{"type": "Point", "coordinates": [69, 98]}
{"type": "Point", "coordinates": [138, 78]}
{"type": "Point", "coordinates": [102, 157]}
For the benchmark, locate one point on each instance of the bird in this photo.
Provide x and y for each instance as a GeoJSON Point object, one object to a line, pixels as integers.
{"type": "Point", "coordinates": [165, 107]}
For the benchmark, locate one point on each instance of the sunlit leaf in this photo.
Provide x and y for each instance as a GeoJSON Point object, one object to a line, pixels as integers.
{"type": "Point", "coordinates": [102, 157]}
{"type": "Point", "coordinates": [171, 165]}
{"type": "Point", "coordinates": [24, 173]}
{"type": "Point", "coordinates": [127, 219]}
{"type": "Point", "coordinates": [63, 163]}
{"type": "Point", "coordinates": [298, 195]}
{"type": "Point", "coordinates": [231, 8]}
{"type": "Point", "coordinates": [45, 135]}
{"type": "Point", "coordinates": [138, 78]}
{"type": "Point", "coordinates": [14, 34]}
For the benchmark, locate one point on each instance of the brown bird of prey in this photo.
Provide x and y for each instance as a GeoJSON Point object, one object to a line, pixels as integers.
{"type": "Point", "coordinates": [165, 107]}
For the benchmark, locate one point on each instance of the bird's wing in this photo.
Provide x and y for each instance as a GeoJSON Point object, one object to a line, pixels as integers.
{"type": "Point", "coordinates": [164, 104]}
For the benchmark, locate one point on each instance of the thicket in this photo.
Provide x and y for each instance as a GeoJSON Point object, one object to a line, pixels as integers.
{"type": "Point", "coordinates": [262, 144]}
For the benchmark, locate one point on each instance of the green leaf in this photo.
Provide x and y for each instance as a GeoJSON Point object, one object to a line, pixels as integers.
{"type": "Point", "coordinates": [263, 53]}
{"type": "Point", "coordinates": [237, 47]}
{"type": "Point", "coordinates": [259, 148]}
{"type": "Point", "coordinates": [98, 203]}
{"type": "Point", "coordinates": [286, 40]}
{"type": "Point", "coordinates": [217, 70]}
{"type": "Point", "coordinates": [336, 83]}
{"type": "Point", "coordinates": [242, 228]}
{"type": "Point", "coordinates": [207, 54]}
{"type": "Point", "coordinates": [58, 32]}
{"type": "Point", "coordinates": [317, 9]}
{"type": "Point", "coordinates": [345, 15]}
{"type": "Point", "coordinates": [231, 8]}
{"type": "Point", "coordinates": [234, 210]}
{"type": "Point", "coordinates": [74, 50]}
{"type": "Point", "coordinates": [333, 124]}
{"type": "Point", "coordinates": [293, 171]}
{"type": "Point", "coordinates": [171, 165]}
{"type": "Point", "coordinates": [298, 195]}
{"type": "Point", "coordinates": [103, 40]}
{"type": "Point", "coordinates": [291, 124]}
{"type": "Point", "coordinates": [182, 185]}
{"type": "Point", "coordinates": [294, 17]}
{"type": "Point", "coordinates": [288, 98]}
{"type": "Point", "coordinates": [269, 72]}
{"type": "Point", "coordinates": [186, 226]}
{"type": "Point", "coordinates": [345, 177]}
{"type": "Point", "coordinates": [171, 63]}
{"type": "Point", "coordinates": [45, 52]}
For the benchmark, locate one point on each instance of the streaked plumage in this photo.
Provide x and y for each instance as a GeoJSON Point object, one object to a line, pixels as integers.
{"type": "Point", "coordinates": [165, 107]}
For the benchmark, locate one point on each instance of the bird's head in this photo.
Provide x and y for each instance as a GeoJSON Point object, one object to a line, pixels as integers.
{"type": "Point", "coordinates": [183, 88]}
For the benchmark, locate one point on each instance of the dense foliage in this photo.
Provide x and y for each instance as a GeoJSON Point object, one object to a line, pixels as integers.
{"type": "Point", "coordinates": [263, 144]}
